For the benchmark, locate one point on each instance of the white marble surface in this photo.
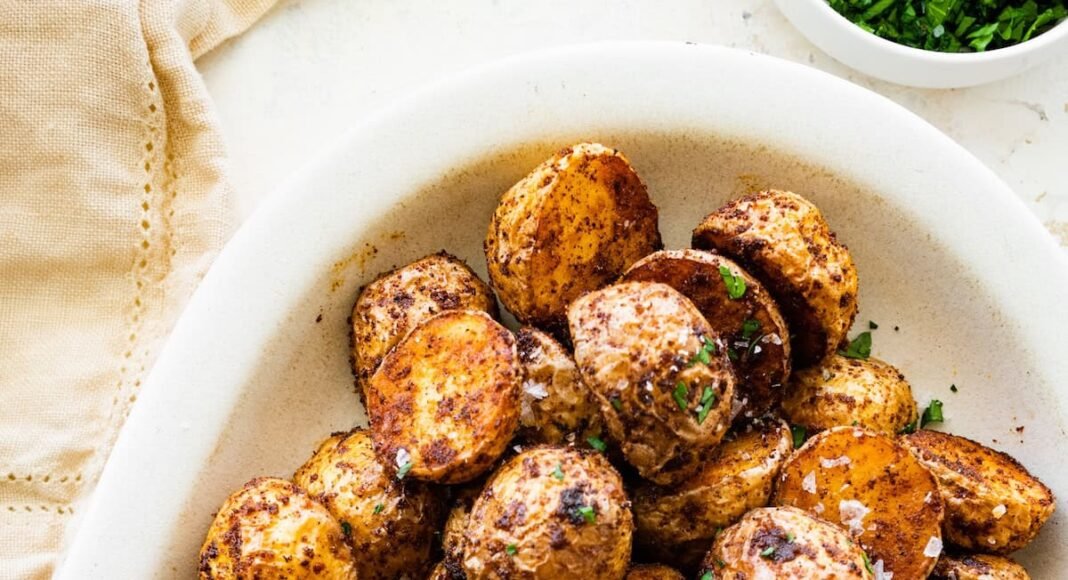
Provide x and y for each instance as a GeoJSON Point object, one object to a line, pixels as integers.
{"type": "Point", "coordinates": [313, 68]}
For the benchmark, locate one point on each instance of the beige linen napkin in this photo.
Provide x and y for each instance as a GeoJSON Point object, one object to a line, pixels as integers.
{"type": "Point", "coordinates": [113, 200]}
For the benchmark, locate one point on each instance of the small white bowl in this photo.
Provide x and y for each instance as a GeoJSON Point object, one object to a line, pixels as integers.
{"type": "Point", "coordinates": [849, 44]}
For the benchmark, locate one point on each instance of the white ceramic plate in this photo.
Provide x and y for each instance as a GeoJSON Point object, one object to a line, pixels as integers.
{"type": "Point", "coordinates": [257, 369]}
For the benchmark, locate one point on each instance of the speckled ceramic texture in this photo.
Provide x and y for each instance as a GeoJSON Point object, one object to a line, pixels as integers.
{"type": "Point", "coordinates": [965, 285]}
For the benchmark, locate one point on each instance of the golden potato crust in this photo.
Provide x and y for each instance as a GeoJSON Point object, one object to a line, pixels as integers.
{"type": "Point", "coordinates": [395, 302]}
{"type": "Point", "coordinates": [751, 324]}
{"type": "Point", "coordinates": [784, 542]}
{"type": "Point", "coordinates": [993, 504]}
{"type": "Point", "coordinates": [875, 489]}
{"type": "Point", "coordinates": [389, 523]}
{"type": "Point", "coordinates": [737, 478]}
{"type": "Point", "coordinates": [550, 512]}
{"type": "Point", "coordinates": [445, 402]}
{"type": "Point", "coordinates": [455, 530]}
{"type": "Point", "coordinates": [270, 528]}
{"type": "Point", "coordinates": [842, 391]}
{"type": "Point", "coordinates": [637, 345]}
{"type": "Point", "coordinates": [653, 572]}
{"type": "Point", "coordinates": [573, 225]}
{"type": "Point", "coordinates": [977, 567]}
{"type": "Point", "coordinates": [556, 405]}
{"type": "Point", "coordinates": [783, 240]}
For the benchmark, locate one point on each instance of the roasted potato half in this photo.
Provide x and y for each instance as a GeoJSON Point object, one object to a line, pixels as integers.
{"type": "Point", "coordinates": [573, 225]}
{"type": "Point", "coordinates": [556, 405]}
{"type": "Point", "coordinates": [660, 373]}
{"type": "Point", "coordinates": [992, 503]}
{"type": "Point", "coordinates": [390, 523]}
{"type": "Point", "coordinates": [783, 240]}
{"type": "Point", "coordinates": [978, 567]}
{"type": "Point", "coordinates": [271, 528]}
{"type": "Point", "coordinates": [397, 301]}
{"type": "Point", "coordinates": [875, 489]}
{"type": "Point", "coordinates": [758, 341]}
{"type": "Point", "coordinates": [784, 542]}
{"type": "Point", "coordinates": [653, 572]}
{"type": "Point", "coordinates": [738, 477]}
{"type": "Point", "coordinates": [550, 512]}
{"type": "Point", "coordinates": [445, 570]}
{"type": "Point", "coordinates": [445, 402]}
{"type": "Point", "coordinates": [452, 536]}
{"type": "Point", "coordinates": [844, 391]}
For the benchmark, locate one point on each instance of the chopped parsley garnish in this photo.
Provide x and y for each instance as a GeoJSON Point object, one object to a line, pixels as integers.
{"type": "Point", "coordinates": [790, 537]}
{"type": "Point", "coordinates": [680, 394]}
{"type": "Point", "coordinates": [708, 398]}
{"type": "Point", "coordinates": [558, 473]}
{"type": "Point", "coordinates": [511, 550]}
{"type": "Point", "coordinates": [596, 443]}
{"type": "Point", "coordinates": [799, 433]}
{"type": "Point", "coordinates": [734, 282]}
{"type": "Point", "coordinates": [346, 528]}
{"type": "Point", "coordinates": [704, 354]}
{"type": "Point", "coordinates": [379, 508]}
{"type": "Point", "coordinates": [767, 552]}
{"type": "Point", "coordinates": [720, 563]}
{"type": "Point", "coordinates": [707, 575]}
{"type": "Point", "coordinates": [616, 403]}
{"type": "Point", "coordinates": [953, 388]}
{"type": "Point", "coordinates": [932, 414]}
{"type": "Point", "coordinates": [909, 428]}
{"type": "Point", "coordinates": [749, 327]}
{"type": "Point", "coordinates": [588, 513]}
{"type": "Point", "coordinates": [732, 354]}
{"type": "Point", "coordinates": [859, 347]}
{"type": "Point", "coordinates": [867, 563]}
{"type": "Point", "coordinates": [404, 469]}
{"type": "Point", "coordinates": [872, 325]}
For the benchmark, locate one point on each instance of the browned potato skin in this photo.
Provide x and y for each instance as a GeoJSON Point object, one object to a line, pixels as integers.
{"type": "Point", "coordinates": [974, 481]}
{"type": "Point", "coordinates": [737, 478]}
{"type": "Point", "coordinates": [763, 369]}
{"type": "Point", "coordinates": [902, 496]}
{"type": "Point", "coordinates": [448, 395]}
{"type": "Point", "coordinates": [573, 225]}
{"type": "Point", "coordinates": [653, 572]}
{"type": "Point", "coordinates": [271, 528]}
{"type": "Point", "coordinates": [389, 307]}
{"type": "Point", "coordinates": [842, 390]}
{"type": "Point", "coordinates": [817, 550]}
{"type": "Point", "coordinates": [525, 505]}
{"type": "Point", "coordinates": [453, 534]}
{"type": "Point", "coordinates": [978, 567]}
{"type": "Point", "coordinates": [391, 524]}
{"type": "Point", "coordinates": [782, 239]}
{"type": "Point", "coordinates": [634, 342]}
{"type": "Point", "coordinates": [446, 571]}
{"type": "Point", "coordinates": [556, 406]}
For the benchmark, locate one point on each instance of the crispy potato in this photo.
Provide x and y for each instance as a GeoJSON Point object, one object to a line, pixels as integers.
{"type": "Point", "coordinates": [784, 542]}
{"type": "Point", "coordinates": [750, 324]}
{"type": "Point", "coordinates": [453, 535]}
{"type": "Point", "coordinates": [992, 503]}
{"type": "Point", "coordinates": [550, 512]}
{"type": "Point", "coordinates": [842, 390]}
{"type": "Point", "coordinates": [271, 528]}
{"type": "Point", "coordinates": [573, 225]}
{"type": "Point", "coordinates": [445, 402]}
{"type": "Point", "coordinates": [636, 345]}
{"type": "Point", "coordinates": [389, 307]}
{"type": "Point", "coordinates": [875, 489]}
{"type": "Point", "coordinates": [653, 572]}
{"type": "Point", "coordinates": [783, 240]}
{"type": "Point", "coordinates": [978, 567]}
{"type": "Point", "coordinates": [737, 478]}
{"type": "Point", "coordinates": [556, 405]}
{"type": "Point", "coordinates": [446, 571]}
{"type": "Point", "coordinates": [390, 524]}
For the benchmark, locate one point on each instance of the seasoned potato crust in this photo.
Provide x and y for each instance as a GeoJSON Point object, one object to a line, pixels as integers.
{"type": "Point", "coordinates": [453, 535]}
{"type": "Point", "coordinates": [390, 524]}
{"type": "Point", "coordinates": [841, 391]}
{"type": "Point", "coordinates": [784, 543]}
{"type": "Point", "coordinates": [397, 301]}
{"type": "Point", "coordinates": [637, 345]}
{"type": "Point", "coordinates": [978, 567]}
{"type": "Point", "coordinates": [446, 571]}
{"type": "Point", "coordinates": [992, 503]}
{"type": "Point", "coordinates": [573, 225]}
{"type": "Point", "coordinates": [738, 477]}
{"type": "Point", "coordinates": [445, 402]}
{"type": "Point", "coordinates": [270, 528]}
{"type": "Point", "coordinates": [783, 240]}
{"type": "Point", "coordinates": [556, 405]}
{"type": "Point", "coordinates": [751, 324]}
{"type": "Point", "coordinates": [653, 572]}
{"type": "Point", "coordinates": [550, 512]}
{"type": "Point", "coordinates": [876, 490]}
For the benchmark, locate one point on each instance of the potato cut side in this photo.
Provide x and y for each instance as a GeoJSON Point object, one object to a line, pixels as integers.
{"type": "Point", "coordinates": [556, 406]}
{"type": "Point", "coordinates": [992, 503]}
{"type": "Point", "coordinates": [445, 402]}
{"type": "Point", "coordinates": [750, 323]}
{"type": "Point", "coordinates": [876, 490]}
{"type": "Point", "coordinates": [573, 225]}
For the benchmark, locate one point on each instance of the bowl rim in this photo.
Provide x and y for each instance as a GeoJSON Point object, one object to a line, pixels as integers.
{"type": "Point", "coordinates": [849, 28]}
